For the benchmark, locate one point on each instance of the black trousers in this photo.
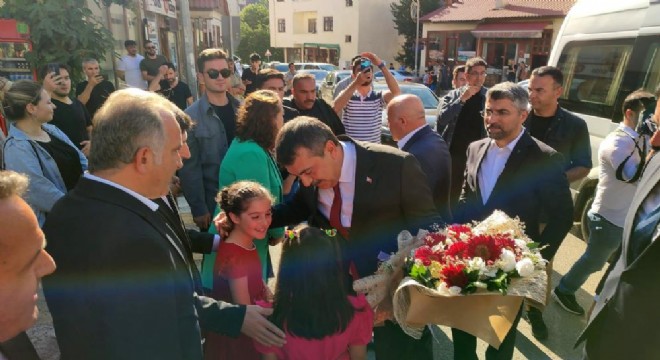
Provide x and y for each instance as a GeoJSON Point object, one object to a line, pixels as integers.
{"type": "Point", "coordinates": [390, 342]}
{"type": "Point", "coordinates": [465, 345]}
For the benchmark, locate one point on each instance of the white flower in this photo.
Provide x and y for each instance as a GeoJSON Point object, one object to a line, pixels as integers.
{"type": "Point", "coordinates": [525, 267]}
{"type": "Point", "coordinates": [507, 260]}
{"type": "Point", "coordinates": [480, 284]}
{"type": "Point", "coordinates": [455, 290]}
{"type": "Point", "coordinates": [478, 264]}
{"type": "Point", "coordinates": [491, 271]}
{"type": "Point", "coordinates": [464, 237]}
{"type": "Point", "coordinates": [521, 244]}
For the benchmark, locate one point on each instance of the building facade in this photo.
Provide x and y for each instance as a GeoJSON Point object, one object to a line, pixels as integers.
{"type": "Point", "coordinates": [504, 32]}
{"type": "Point", "coordinates": [332, 31]}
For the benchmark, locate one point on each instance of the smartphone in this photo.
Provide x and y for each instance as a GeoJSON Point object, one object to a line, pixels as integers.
{"type": "Point", "coordinates": [54, 68]}
{"type": "Point", "coordinates": [365, 64]}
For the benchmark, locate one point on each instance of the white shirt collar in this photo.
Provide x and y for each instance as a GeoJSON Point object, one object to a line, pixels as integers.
{"type": "Point", "coordinates": [349, 163]}
{"type": "Point", "coordinates": [152, 205]}
{"type": "Point", "coordinates": [404, 140]}
{"type": "Point", "coordinates": [510, 145]}
{"type": "Point", "coordinates": [628, 130]}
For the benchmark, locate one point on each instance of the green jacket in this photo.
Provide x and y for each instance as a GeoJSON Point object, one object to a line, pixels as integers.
{"type": "Point", "coordinates": [246, 160]}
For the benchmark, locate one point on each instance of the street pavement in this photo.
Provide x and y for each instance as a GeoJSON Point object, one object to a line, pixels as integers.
{"type": "Point", "coordinates": [563, 327]}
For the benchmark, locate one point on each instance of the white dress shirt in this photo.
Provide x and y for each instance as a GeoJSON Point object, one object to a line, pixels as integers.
{"type": "Point", "coordinates": [346, 187]}
{"type": "Point", "coordinates": [493, 164]}
{"type": "Point", "coordinates": [152, 205]}
{"type": "Point", "coordinates": [404, 140]}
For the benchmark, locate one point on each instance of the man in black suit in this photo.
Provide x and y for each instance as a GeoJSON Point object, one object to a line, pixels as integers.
{"type": "Point", "coordinates": [623, 324]}
{"type": "Point", "coordinates": [407, 121]}
{"type": "Point", "coordinates": [369, 193]}
{"type": "Point", "coordinates": [125, 288]}
{"type": "Point", "coordinates": [513, 172]}
{"type": "Point", "coordinates": [23, 261]}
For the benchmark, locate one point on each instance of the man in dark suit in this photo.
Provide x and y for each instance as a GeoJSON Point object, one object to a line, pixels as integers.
{"type": "Point", "coordinates": [23, 261]}
{"type": "Point", "coordinates": [623, 324]}
{"type": "Point", "coordinates": [369, 193]}
{"type": "Point", "coordinates": [124, 280]}
{"type": "Point", "coordinates": [513, 172]}
{"type": "Point", "coordinates": [407, 121]}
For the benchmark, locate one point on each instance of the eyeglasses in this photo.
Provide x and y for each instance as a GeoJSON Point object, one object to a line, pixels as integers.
{"type": "Point", "coordinates": [479, 74]}
{"type": "Point", "coordinates": [213, 73]}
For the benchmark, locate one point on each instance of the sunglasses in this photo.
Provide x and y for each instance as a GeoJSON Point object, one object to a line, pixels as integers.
{"type": "Point", "coordinates": [213, 73]}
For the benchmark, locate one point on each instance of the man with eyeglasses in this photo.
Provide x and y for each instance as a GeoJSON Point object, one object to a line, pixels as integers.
{"type": "Point", "coordinates": [513, 172]}
{"type": "Point", "coordinates": [150, 65]}
{"type": "Point", "coordinates": [460, 121]}
{"type": "Point", "coordinates": [215, 117]}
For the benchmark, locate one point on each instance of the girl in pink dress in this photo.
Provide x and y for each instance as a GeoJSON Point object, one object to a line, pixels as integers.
{"type": "Point", "coordinates": [237, 271]}
{"type": "Point", "coordinates": [320, 319]}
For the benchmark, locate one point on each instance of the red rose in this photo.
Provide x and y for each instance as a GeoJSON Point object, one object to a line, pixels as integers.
{"type": "Point", "coordinates": [459, 229]}
{"type": "Point", "coordinates": [434, 239]}
{"type": "Point", "coordinates": [454, 275]}
{"type": "Point", "coordinates": [505, 241]}
{"type": "Point", "coordinates": [483, 246]}
{"type": "Point", "coordinates": [425, 254]}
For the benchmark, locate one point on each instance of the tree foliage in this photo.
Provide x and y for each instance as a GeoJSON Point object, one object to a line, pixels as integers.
{"type": "Point", "coordinates": [63, 31]}
{"type": "Point", "coordinates": [406, 26]}
{"type": "Point", "coordinates": [255, 33]}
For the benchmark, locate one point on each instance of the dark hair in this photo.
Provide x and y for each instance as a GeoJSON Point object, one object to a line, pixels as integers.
{"type": "Point", "coordinates": [267, 74]}
{"type": "Point", "coordinates": [170, 66]}
{"type": "Point", "coordinates": [291, 64]}
{"type": "Point", "coordinates": [302, 76]}
{"type": "Point", "coordinates": [518, 95]}
{"type": "Point", "coordinates": [303, 131]}
{"type": "Point", "coordinates": [185, 122]}
{"type": "Point", "coordinates": [148, 42]}
{"type": "Point", "coordinates": [635, 101]}
{"type": "Point", "coordinates": [236, 198]}
{"type": "Point", "coordinates": [43, 71]}
{"type": "Point", "coordinates": [356, 62]}
{"type": "Point", "coordinates": [475, 61]}
{"type": "Point", "coordinates": [256, 118]}
{"type": "Point", "coordinates": [208, 55]}
{"type": "Point", "coordinates": [551, 71]}
{"type": "Point", "coordinates": [128, 43]}
{"type": "Point", "coordinates": [17, 98]}
{"type": "Point", "coordinates": [255, 57]}
{"type": "Point", "coordinates": [310, 281]}
{"type": "Point", "coordinates": [457, 70]}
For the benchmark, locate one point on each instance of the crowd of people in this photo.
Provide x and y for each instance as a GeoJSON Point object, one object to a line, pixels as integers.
{"type": "Point", "coordinates": [92, 204]}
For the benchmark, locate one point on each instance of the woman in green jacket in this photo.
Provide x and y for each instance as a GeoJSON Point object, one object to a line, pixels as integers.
{"type": "Point", "coordinates": [249, 157]}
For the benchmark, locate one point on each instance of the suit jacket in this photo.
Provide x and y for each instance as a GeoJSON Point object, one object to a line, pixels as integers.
{"type": "Point", "coordinates": [450, 108]}
{"type": "Point", "coordinates": [432, 153]}
{"type": "Point", "coordinates": [18, 348]}
{"type": "Point", "coordinates": [628, 302]}
{"type": "Point", "coordinates": [391, 195]}
{"type": "Point", "coordinates": [532, 183]}
{"type": "Point", "coordinates": [124, 288]}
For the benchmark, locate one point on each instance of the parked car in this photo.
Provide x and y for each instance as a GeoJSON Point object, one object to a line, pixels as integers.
{"type": "Point", "coordinates": [315, 66]}
{"type": "Point", "coordinates": [281, 67]}
{"type": "Point", "coordinates": [400, 76]}
{"type": "Point", "coordinates": [319, 76]}
{"type": "Point", "coordinates": [425, 94]}
{"type": "Point", "coordinates": [330, 83]}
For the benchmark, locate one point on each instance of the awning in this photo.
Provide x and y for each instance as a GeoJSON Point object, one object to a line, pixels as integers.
{"type": "Point", "coordinates": [510, 30]}
{"type": "Point", "coordinates": [323, 46]}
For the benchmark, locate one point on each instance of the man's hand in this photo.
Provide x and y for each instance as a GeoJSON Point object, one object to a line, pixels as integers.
{"type": "Point", "coordinates": [220, 221]}
{"type": "Point", "coordinates": [655, 139]}
{"type": "Point", "coordinates": [256, 326]}
{"type": "Point", "coordinates": [203, 221]}
{"type": "Point", "coordinates": [470, 92]}
{"type": "Point", "coordinates": [95, 80]}
{"type": "Point", "coordinates": [371, 56]}
{"type": "Point", "coordinates": [175, 186]}
{"type": "Point", "coordinates": [51, 82]}
{"type": "Point", "coordinates": [86, 145]}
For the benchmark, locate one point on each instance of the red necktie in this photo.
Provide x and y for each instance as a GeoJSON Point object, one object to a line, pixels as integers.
{"type": "Point", "coordinates": [335, 222]}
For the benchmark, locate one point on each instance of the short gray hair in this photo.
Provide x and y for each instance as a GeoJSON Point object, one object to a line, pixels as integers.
{"type": "Point", "coordinates": [88, 61]}
{"type": "Point", "coordinates": [12, 183]}
{"type": "Point", "coordinates": [508, 90]}
{"type": "Point", "coordinates": [129, 120]}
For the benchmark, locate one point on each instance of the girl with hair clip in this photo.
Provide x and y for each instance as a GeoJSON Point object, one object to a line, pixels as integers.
{"type": "Point", "coordinates": [321, 320]}
{"type": "Point", "coordinates": [237, 271]}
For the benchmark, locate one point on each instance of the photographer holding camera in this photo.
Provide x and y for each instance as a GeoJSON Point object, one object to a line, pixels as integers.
{"type": "Point", "coordinates": [362, 106]}
{"type": "Point", "coordinates": [96, 89]}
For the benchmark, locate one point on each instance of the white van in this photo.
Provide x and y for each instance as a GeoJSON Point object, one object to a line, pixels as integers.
{"type": "Point", "coordinates": [606, 50]}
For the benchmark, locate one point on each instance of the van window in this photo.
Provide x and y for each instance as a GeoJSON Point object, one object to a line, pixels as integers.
{"type": "Point", "coordinates": [593, 72]}
{"type": "Point", "coordinates": [652, 64]}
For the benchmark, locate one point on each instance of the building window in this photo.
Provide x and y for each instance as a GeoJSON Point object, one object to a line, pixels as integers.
{"type": "Point", "coordinates": [311, 26]}
{"type": "Point", "coordinates": [327, 23]}
{"type": "Point", "coordinates": [348, 38]}
{"type": "Point", "coordinates": [281, 25]}
{"type": "Point", "coordinates": [349, 2]}
{"type": "Point", "coordinates": [280, 0]}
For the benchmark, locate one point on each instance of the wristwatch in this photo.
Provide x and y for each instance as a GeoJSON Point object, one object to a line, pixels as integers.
{"type": "Point", "coordinates": [381, 65]}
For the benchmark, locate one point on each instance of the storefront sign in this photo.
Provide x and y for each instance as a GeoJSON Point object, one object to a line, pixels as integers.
{"type": "Point", "coordinates": [163, 7]}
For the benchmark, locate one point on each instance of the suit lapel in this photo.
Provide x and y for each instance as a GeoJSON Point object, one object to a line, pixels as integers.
{"type": "Point", "coordinates": [473, 173]}
{"type": "Point", "coordinates": [365, 179]}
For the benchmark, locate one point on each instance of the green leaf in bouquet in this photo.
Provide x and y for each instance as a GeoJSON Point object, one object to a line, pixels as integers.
{"type": "Point", "coordinates": [533, 245]}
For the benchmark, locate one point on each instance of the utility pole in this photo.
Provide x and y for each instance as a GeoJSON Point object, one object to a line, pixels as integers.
{"type": "Point", "coordinates": [414, 7]}
{"type": "Point", "coordinates": [191, 74]}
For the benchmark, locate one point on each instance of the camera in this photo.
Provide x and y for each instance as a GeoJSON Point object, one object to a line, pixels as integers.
{"type": "Point", "coordinates": [54, 68]}
{"type": "Point", "coordinates": [365, 64]}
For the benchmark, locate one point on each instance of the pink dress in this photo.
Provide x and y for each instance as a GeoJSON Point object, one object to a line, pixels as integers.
{"type": "Point", "coordinates": [234, 262]}
{"type": "Point", "coordinates": [333, 347]}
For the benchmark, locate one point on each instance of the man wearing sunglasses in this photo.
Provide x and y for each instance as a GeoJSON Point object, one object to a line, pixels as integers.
{"type": "Point", "coordinates": [215, 117]}
{"type": "Point", "coordinates": [151, 63]}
